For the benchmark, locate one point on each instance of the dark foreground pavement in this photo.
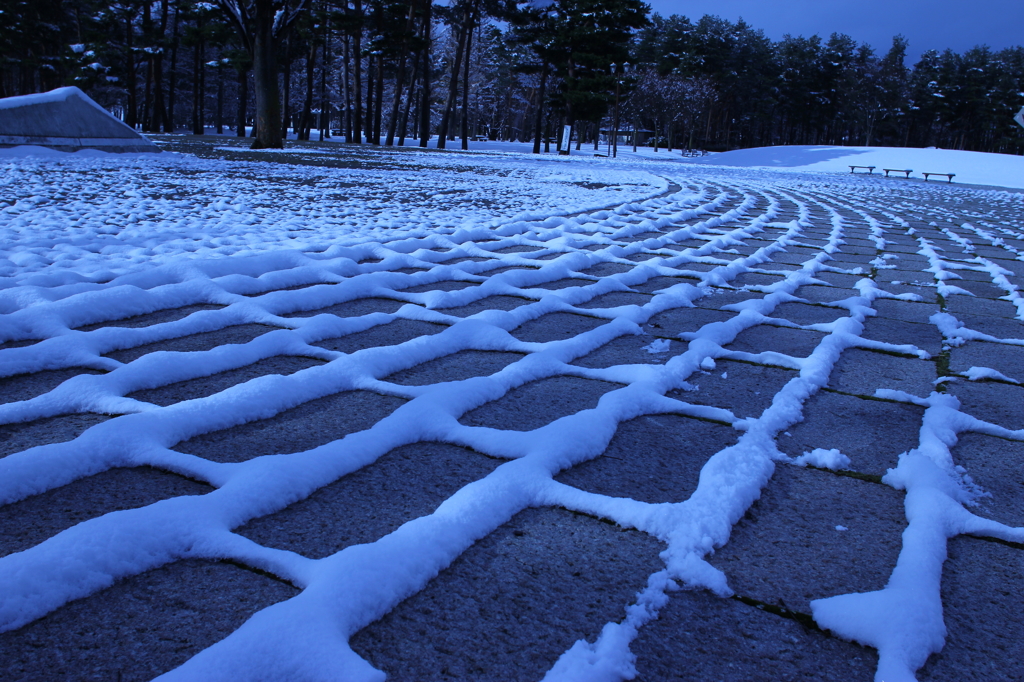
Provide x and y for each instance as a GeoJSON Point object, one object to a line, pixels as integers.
{"type": "Point", "coordinates": [511, 604]}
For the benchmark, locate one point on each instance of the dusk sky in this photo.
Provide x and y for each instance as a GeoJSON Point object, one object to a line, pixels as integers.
{"type": "Point", "coordinates": [928, 24]}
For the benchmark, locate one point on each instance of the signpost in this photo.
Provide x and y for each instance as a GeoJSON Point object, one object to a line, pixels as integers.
{"type": "Point", "coordinates": [566, 139]}
{"type": "Point", "coordinates": [1019, 118]}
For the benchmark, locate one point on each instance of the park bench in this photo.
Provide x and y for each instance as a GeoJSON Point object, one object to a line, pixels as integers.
{"type": "Point", "coordinates": [897, 170]}
{"type": "Point", "coordinates": [949, 176]}
{"type": "Point", "coordinates": [870, 169]}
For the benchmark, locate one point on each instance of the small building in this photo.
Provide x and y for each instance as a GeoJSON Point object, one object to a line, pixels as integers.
{"type": "Point", "coordinates": [66, 119]}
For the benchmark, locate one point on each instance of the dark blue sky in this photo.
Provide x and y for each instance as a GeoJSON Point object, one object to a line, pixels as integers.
{"type": "Point", "coordinates": [928, 24]}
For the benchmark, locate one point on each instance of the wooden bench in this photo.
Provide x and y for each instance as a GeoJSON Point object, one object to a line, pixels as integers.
{"type": "Point", "coordinates": [897, 170]}
{"type": "Point", "coordinates": [870, 169]}
{"type": "Point", "coordinates": [948, 176]}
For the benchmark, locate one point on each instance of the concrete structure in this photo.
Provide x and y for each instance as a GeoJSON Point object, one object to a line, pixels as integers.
{"type": "Point", "coordinates": [66, 119]}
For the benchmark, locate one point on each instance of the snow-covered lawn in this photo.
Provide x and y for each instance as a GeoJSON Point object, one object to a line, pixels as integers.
{"type": "Point", "coordinates": [972, 168]}
{"type": "Point", "coordinates": [653, 281]}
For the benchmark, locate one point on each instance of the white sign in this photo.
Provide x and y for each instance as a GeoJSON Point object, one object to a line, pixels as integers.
{"type": "Point", "coordinates": [566, 138]}
{"type": "Point", "coordinates": [1019, 118]}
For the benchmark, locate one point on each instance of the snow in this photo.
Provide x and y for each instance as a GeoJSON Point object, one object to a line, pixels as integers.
{"type": "Point", "coordinates": [57, 95]}
{"type": "Point", "coordinates": [658, 346]}
{"type": "Point", "coordinates": [824, 459]}
{"type": "Point", "coordinates": [90, 239]}
{"type": "Point", "coordinates": [975, 168]}
{"type": "Point", "coordinates": [980, 373]}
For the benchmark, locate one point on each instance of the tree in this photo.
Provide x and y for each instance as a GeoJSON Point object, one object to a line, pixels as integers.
{"type": "Point", "coordinates": [261, 25]}
{"type": "Point", "coordinates": [578, 40]}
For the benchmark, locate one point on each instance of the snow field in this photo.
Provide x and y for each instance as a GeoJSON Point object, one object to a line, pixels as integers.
{"type": "Point", "coordinates": [708, 232]}
{"type": "Point", "coordinates": [972, 168]}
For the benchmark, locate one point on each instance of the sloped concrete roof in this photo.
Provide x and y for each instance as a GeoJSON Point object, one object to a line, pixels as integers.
{"type": "Point", "coordinates": [68, 120]}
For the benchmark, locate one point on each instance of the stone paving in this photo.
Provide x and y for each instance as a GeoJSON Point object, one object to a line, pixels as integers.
{"type": "Point", "coordinates": [514, 601]}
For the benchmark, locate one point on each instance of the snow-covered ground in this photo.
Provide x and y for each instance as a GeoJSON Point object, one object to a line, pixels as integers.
{"type": "Point", "coordinates": [687, 260]}
{"type": "Point", "coordinates": [972, 168]}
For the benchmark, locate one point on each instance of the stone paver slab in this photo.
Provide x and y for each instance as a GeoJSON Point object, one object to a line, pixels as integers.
{"type": "Point", "coordinates": [654, 459]}
{"type": "Point", "coordinates": [556, 327]}
{"type": "Point", "coordinates": [367, 504]}
{"type": "Point", "coordinates": [28, 386]}
{"type": "Point", "coordinates": [1001, 404]}
{"type": "Point", "coordinates": [240, 333]}
{"type": "Point", "coordinates": [982, 584]}
{"type": "Point", "coordinates": [997, 465]}
{"type": "Point", "coordinates": [390, 334]}
{"type": "Point", "coordinates": [798, 343]}
{"type": "Point", "coordinates": [699, 636]}
{"type": "Point", "coordinates": [630, 350]}
{"type": "Point", "coordinates": [744, 388]}
{"type": "Point", "coordinates": [215, 383]}
{"type": "Point", "coordinates": [872, 433]}
{"type": "Point", "coordinates": [301, 428]}
{"type": "Point", "coordinates": [788, 549]}
{"type": "Point", "coordinates": [26, 523]}
{"type": "Point", "coordinates": [140, 627]}
{"type": "Point", "coordinates": [25, 435]}
{"type": "Point", "coordinates": [539, 403]}
{"type": "Point", "coordinates": [508, 607]}
{"type": "Point", "coordinates": [864, 371]}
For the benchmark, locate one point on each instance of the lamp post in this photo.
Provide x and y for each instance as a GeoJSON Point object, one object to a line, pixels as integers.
{"type": "Point", "coordinates": [618, 71]}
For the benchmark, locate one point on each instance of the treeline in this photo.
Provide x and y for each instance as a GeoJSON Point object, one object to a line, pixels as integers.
{"type": "Point", "coordinates": [812, 91]}
{"type": "Point", "coordinates": [394, 72]}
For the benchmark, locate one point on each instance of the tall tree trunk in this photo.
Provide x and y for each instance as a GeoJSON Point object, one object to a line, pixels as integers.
{"type": "Point", "coordinates": [131, 112]}
{"type": "Point", "coordinates": [197, 93]}
{"type": "Point", "coordinates": [325, 106]}
{"type": "Point", "coordinates": [306, 120]}
{"type": "Point", "coordinates": [346, 123]}
{"type": "Point", "coordinates": [147, 88]}
{"type": "Point", "coordinates": [268, 102]}
{"type": "Point", "coordinates": [368, 123]}
{"type": "Point", "coordinates": [453, 86]}
{"type": "Point", "coordinates": [147, 39]}
{"type": "Point", "coordinates": [286, 102]}
{"type": "Point", "coordinates": [409, 98]}
{"type": "Point", "coordinates": [357, 59]}
{"type": "Point", "coordinates": [378, 105]}
{"type": "Point", "coordinates": [243, 103]}
{"type": "Point", "coordinates": [465, 76]}
{"type": "Point", "coordinates": [220, 99]}
{"type": "Point", "coordinates": [538, 124]}
{"type": "Point", "coordinates": [159, 116]}
{"type": "Point", "coordinates": [425, 106]}
{"type": "Point", "coordinates": [172, 86]}
{"type": "Point", "coordinates": [396, 103]}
